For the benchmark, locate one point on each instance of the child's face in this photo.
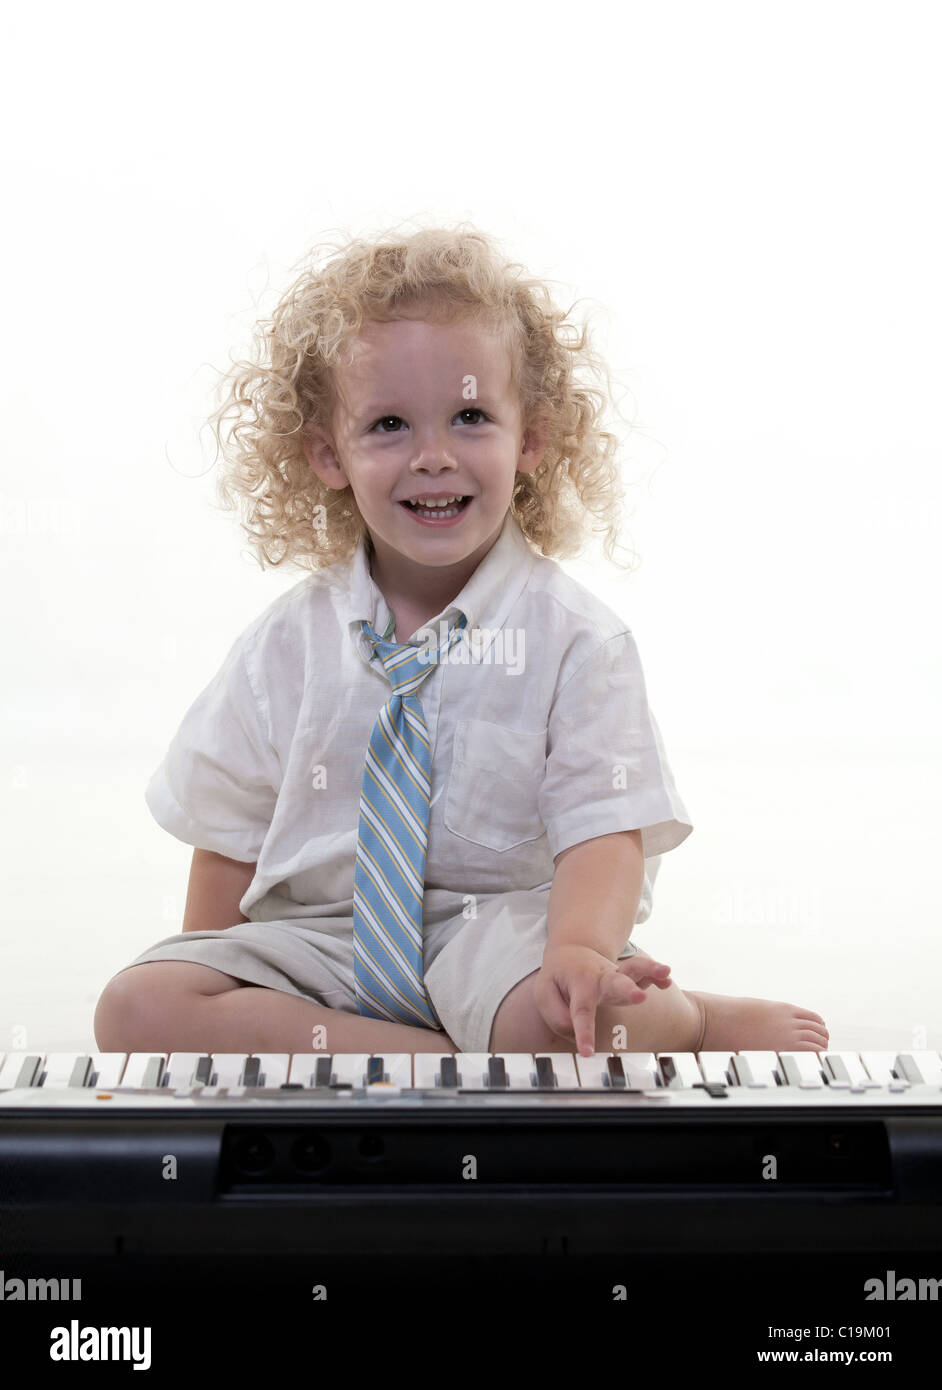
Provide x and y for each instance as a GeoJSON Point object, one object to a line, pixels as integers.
{"type": "Point", "coordinates": [427, 409]}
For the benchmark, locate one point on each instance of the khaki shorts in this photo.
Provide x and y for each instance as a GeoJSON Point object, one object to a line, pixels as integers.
{"type": "Point", "coordinates": [471, 964]}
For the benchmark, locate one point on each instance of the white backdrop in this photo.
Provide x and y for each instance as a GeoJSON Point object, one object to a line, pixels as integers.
{"type": "Point", "coordinates": [745, 197]}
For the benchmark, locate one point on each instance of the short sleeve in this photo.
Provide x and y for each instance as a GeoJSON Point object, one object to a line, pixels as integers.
{"type": "Point", "coordinates": [606, 769]}
{"type": "Point", "coordinates": [218, 783]}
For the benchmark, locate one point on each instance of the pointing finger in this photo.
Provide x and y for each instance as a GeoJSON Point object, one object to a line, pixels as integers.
{"type": "Point", "coordinates": [583, 1002]}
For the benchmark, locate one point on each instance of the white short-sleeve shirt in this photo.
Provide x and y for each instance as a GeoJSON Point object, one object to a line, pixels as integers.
{"type": "Point", "coordinates": [539, 726]}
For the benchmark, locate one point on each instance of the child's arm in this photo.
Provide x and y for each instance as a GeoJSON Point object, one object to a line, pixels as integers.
{"type": "Point", "coordinates": [592, 908]}
{"type": "Point", "coordinates": [595, 894]}
{"type": "Point", "coordinates": [217, 885]}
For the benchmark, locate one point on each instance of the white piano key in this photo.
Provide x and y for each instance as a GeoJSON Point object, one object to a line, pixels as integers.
{"type": "Point", "coordinates": [717, 1067]}
{"type": "Point", "coordinates": [880, 1066]}
{"type": "Point", "coordinates": [564, 1067]}
{"type": "Point", "coordinates": [592, 1071]}
{"type": "Point", "coordinates": [472, 1068]}
{"type": "Point", "coordinates": [227, 1068]}
{"type": "Point", "coordinates": [108, 1069]}
{"type": "Point", "coordinates": [835, 1062]}
{"type": "Point", "coordinates": [919, 1068]}
{"type": "Point", "coordinates": [273, 1069]}
{"type": "Point", "coordinates": [60, 1066]}
{"type": "Point", "coordinates": [640, 1068]}
{"type": "Point", "coordinates": [140, 1068]}
{"type": "Point", "coordinates": [762, 1067]}
{"type": "Point", "coordinates": [682, 1069]}
{"type": "Point", "coordinates": [12, 1070]}
{"type": "Point", "coordinates": [350, 1068]}
{"type": "Point", "coordinates": [802, 1069]}
{"type": "Point", "coordinates": [181, 1070]}
{"type": "Point", "coordinates": [742, 1072]}
{"type": "Point", "coordinates": [301, 1070]}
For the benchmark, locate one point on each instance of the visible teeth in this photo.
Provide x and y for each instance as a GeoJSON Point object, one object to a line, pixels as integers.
{"type": "Point", "coordinates": [433, 502]}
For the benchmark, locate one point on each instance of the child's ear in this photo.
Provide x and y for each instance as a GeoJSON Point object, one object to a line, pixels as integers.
{"type": "Point", "coordinates": [532, 449]}
{"type": "Point", "coordinates": [320, 452]}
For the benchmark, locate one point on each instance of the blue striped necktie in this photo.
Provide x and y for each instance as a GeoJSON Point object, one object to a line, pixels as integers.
{"type": "Point", "coordinates": [392, 841]}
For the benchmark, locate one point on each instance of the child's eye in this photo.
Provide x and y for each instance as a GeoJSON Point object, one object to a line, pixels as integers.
{"type": "Point", "coordinates": [398, 420]}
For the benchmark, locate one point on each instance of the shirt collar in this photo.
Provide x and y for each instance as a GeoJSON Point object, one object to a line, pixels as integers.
{"type": "Point", "coordinates": [485, 600]}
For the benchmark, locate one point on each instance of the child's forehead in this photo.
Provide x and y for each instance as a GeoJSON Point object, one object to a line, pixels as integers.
{"type": "Point", "coordinates": [381, 339]}
{"type": "Point", "coordinates": [392, 350]}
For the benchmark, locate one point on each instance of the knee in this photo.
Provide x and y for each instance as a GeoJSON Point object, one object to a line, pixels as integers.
{"type": "Point", "coordinates": [134, 1009]}
{"type": "Point", "coordinates": [115, 1010]}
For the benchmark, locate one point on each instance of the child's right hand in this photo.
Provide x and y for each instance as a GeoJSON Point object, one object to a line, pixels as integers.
{"type": "Point", "coordinates": [574, 981]}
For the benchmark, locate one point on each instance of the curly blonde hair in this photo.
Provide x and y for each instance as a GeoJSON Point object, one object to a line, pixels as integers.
{"type": "Point", "coordinates": [449, 275]}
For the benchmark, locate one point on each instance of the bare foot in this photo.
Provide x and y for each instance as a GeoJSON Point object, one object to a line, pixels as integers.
{"type": "Point", "coordinates": [757, 1025]}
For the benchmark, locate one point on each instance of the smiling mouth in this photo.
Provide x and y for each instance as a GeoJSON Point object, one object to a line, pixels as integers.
{"type": "Point", "coordinates": [431, 513]}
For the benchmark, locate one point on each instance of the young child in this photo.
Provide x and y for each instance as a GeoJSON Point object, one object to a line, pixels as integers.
{"type": "Point", "coordinates": [425, 790]}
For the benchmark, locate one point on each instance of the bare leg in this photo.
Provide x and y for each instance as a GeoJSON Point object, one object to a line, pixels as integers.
{"type": "Point", "coordinates": [179, 1006]}
{"type": "Point", "coordinates": [669, 1020]}
{"type": "Point", "coordinates": [762, 1025]}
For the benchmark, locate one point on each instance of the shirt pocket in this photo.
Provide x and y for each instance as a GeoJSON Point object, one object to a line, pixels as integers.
{"type": "Point", "coordinates": [494, 785]}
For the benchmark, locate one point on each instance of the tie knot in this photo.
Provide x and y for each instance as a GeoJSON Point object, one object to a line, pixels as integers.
{"type": "Point", "coordinates": [405, 665]}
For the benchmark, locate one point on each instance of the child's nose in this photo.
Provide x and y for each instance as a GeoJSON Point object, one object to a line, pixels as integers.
{"type": "Point", "coordinates": [433, 456]}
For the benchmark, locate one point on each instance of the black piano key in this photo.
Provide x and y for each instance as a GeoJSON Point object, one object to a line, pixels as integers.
{"type": "Point", "coordinates": [204, 1071]}
{"type": "Point", "coordinates": [250, 1073]}
{"type": "Point", "coordinates": [323, 1071]}
{"type": "Point", "coordinates": [449, 1070]}
{"type": "Point", "coordinates": [545, 1075]}
{"type": "Point", "coordinates": [616, 1073]}
{"type": "Point", "coordinates": [152, 1073]}
{"type": "Point", "coordinates": [375, 1070]}
{"type": "Point", "coordinates": [665, 1070]}
{"type": "Point", "coordinates": [30, 1073]}
{"type": "Point", "coordinates": [496, 1073]}
{"type": "Point", "coordinates": [80, 1072]}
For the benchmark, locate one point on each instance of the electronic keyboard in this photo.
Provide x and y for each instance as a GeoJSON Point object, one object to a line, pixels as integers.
{"type": "Point", "coordinates": [276, 1120]}
{"type": "Point", "coordinates": [666, 1081]}
{"type": "Point", "coordinates": [471, 1153]}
